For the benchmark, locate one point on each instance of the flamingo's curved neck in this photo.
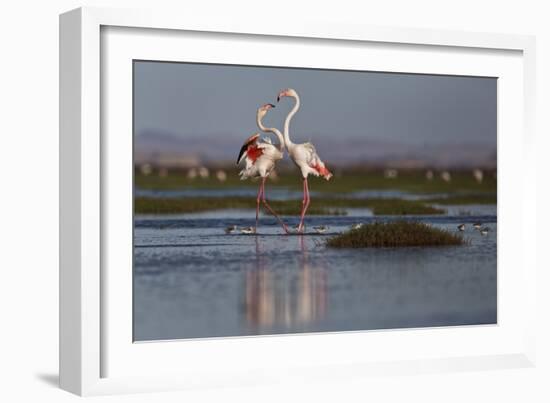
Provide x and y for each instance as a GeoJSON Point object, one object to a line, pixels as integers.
{"type": "Point", "coordinates": [271, 130]}
{"type": "Point", "coordinates": [290, 115]}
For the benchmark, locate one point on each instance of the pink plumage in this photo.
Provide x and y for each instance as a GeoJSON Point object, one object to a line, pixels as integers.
{"type": "Point", "coordinates": [303, 155]}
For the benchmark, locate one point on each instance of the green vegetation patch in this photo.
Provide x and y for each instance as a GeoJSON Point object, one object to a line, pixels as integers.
{"type": "Point", "coordinates": [344, 181]}
{"type": "Point", "coordinates": [318, 206]}
{"type": "Point", "coordinates": [154, 205]}
{"type": "Point", "coordinates": [151, 205]}
{"type": "Point", "coordinates": [395, 234]}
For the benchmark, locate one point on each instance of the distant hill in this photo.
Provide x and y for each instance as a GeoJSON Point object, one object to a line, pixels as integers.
{"type": "Point", "coordinates": [165, 148]}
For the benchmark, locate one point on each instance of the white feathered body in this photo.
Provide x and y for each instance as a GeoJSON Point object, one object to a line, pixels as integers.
{"type": "Point", "coordinates": [260, 165]}
{"type": "Point", "coordinates": [307, 160]}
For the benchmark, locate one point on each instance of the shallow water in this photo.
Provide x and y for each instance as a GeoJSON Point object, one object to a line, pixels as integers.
{"type": "Point", "coordinates": [193, 280]}
{"type": "Point", "coordinates": [282, 193]}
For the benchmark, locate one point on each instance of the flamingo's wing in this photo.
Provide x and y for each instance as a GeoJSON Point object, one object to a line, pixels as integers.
{"type": "Point", "coordinates": [310, 147]}
{"type": "Point", "coordinates": [311, 153]}
{"type": "Point", "coordinates": [249, 147]}
{"type": "Point", "coordinates": [315, 162]}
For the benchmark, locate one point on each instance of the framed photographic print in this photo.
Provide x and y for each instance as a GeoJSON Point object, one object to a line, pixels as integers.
{"type": "Point", "coordinates": [243, 202]}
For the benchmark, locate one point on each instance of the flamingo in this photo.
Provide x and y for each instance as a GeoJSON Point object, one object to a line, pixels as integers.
{"type": "Point", "coordinates": [261, 156]}
{"type": "Point", "coordinates": [304, 155]}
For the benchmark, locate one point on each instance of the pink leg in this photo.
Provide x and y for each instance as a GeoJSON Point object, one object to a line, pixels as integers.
{"type": "Point", "coordinates": [260, 193]}
{"type": "Point", "coordinates": [305, 205]}
{"type": "Point", "coordinates": [270, 209]}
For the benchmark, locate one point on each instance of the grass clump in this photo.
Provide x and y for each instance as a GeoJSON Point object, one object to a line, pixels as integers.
{"type": "Point", "coordinates": [395, 234]}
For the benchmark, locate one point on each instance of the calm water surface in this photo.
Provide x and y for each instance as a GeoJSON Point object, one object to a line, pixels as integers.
{"type": "Point", "coordinates": [193, 280]}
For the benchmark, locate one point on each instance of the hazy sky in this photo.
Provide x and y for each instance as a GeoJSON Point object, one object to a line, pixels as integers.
{"type": "Point", "coordinates": [214, 101]}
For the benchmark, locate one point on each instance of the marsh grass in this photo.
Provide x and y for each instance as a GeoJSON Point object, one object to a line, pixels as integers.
{"type": "Point", "coordinates": [344, 182]}
{"type": "Point", "coordinates": [319, 206]}
{"type": "Point", "coordinates": [147, 205]}
{"type": "Point", "coordinates": [395, 234]}
{"type": "Point", "coordinates": [153, 205]}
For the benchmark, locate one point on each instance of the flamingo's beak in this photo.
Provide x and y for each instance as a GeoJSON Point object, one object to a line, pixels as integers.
{"type": "Point", "coordinates": [278, 98]}
{"type": "Point", "coordinates": [273, 106]}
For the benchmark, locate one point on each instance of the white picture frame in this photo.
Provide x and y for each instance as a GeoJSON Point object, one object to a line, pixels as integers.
{"type": "Point", "coordinates": [96, 356]}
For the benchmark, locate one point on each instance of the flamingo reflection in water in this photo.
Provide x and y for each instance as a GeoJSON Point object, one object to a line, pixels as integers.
{"type": "Point", "coordinates": [288, 298]}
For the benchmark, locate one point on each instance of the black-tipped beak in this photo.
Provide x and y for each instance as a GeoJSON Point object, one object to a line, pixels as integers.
{"type": "Point", "coordinates": [273, 106]}
{"type": "Point", "coordinates": [278, 98]}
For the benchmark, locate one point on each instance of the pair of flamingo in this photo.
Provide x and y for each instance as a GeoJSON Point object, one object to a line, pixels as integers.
{"type": "Point", "coordinates": [261, 156]}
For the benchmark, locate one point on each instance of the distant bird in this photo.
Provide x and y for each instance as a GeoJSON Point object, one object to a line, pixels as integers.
{"type": "Point", "coordinates": [478, 175]}
{"type": "Point", "coordinates": [461, 227]}
{"type": "Point", "coordinates": [484, 231]}
{"type": "Point", "coordinates": [231, 229]}
{"type": "Point", "coordinates": [321, 229]}
{"type": "Point", "coordinates": [204, 172]}
{"type": "Point", "coordinates": [390, 173]}
{"type": "Point", "coordinates": [304, 155]}
{"type": "Point", "coordinates": [261, 157]}
{"type": "Point", "coordinates": [221, 175]}
{"type": "Point", "coordinates": [146, 169]}
{"type": "Point", "coordinates": [248, 230]}
{"type": "Point", "coordinates": [446, 176]}
{"type": "Point", "coordinates": [477, 225]}
{"type": "Point", "coordinates": [356, 225]}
